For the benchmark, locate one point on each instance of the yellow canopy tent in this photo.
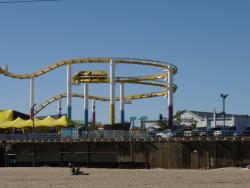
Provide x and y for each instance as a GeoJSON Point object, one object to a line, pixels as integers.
{"type": "Point", "coordinates": [5, 124]}
{"type": "Point", "coordinates": [65, 122]}
{"type": "Point", "coordinates": [56, 124]}
{"type": "Point", "coordinates": [18, 123]}
{"type": "Point", "coordinates": [37, 122]}
{"type": "Point", "coordinates": [51, 122]}
{"type": "Point", "coordinates": [48, 122]}
{"type": "Point", "coordinates": [6, 115]}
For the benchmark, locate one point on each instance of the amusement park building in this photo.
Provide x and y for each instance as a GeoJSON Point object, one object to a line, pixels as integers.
{"type": "Point", "coordinates": [213, 120]}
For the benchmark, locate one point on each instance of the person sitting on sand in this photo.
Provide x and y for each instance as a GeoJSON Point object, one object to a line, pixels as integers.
{"type": "Point", "coordinates": [73, 171]}
{"type": "Point", "coordinates": [78, 171]}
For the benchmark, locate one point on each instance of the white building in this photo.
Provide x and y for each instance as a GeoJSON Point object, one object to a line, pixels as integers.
{"type": "Point", "coordinates": [213, 120]}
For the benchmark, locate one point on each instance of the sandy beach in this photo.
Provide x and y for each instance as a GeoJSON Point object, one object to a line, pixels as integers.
{"type": "Point", "coordinates": [112, 178]}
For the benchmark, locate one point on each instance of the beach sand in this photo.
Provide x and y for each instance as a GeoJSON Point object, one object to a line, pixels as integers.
{"type": "Point", "coordinates": [45, 177]}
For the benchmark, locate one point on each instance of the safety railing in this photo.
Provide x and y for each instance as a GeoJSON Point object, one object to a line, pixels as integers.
{"type": "Point", "coordinates": [29, 136]}
{"type": "Point", "coordinates": [84, 135]}
{"type": "Point", "coordinates": [114, 135]}
{"type": "Point", "coordinates": [122, 135]}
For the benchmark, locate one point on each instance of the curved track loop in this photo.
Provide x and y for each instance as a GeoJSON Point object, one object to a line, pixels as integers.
{"type": "Point", "coordinates": [99, 98]}
{"type": "Point", "coordinates": [90, 60]}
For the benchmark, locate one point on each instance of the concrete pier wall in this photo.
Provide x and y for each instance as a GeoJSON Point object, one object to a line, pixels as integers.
{"type": "Point", "coordinates": [172, 154]}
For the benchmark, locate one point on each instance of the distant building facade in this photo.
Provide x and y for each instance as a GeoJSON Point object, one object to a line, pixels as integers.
{"type": "Point", "coordinates": [212, 120]}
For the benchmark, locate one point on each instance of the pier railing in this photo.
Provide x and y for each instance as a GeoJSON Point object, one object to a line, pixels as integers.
{"type": "Point", "coordinates": [85, 135]}
{"type": "Point", "coordinates": [117, 135]}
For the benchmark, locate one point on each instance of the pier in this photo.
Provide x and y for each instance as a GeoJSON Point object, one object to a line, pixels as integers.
{"type": "Point", "coordinates": [133, 152]}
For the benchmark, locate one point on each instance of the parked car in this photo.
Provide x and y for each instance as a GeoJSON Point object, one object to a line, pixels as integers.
{"type": "Point", "coordinates": [246, 133]}
{"type": "Point", "coordinates": [206, 132]}
{"type": "Point", "coordinates": [179, 133]}
{"type": "Point", "coordinates": [218, 133]}
{"type": "Point", "coordinates": [238, 133]}
{"type": "Point", "coordinates": [151, 131]}
{"type": "Point", "coordinates": [166, 134]}
{"type": "Point", "coordinates": [196, 132]}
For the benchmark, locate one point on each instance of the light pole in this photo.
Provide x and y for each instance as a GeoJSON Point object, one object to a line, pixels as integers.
{"type": "Point", "coordinates": [224, 96]}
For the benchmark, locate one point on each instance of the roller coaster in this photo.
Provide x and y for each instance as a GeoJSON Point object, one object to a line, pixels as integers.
{"type": "Point", "coordinates": [164, 80]}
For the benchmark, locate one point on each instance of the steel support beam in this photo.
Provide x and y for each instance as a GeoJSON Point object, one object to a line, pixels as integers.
{"type": "Point", "coordinates": [69, 90]}
{"type": "Point", "coordinates": [32, 97]}
{"type": "Point", "coordinates": [122, 106]}
{"type": "Point", "coordinates": [86, 104]}
{"type": "Point", "coordinates": [170, 96]}
{"type": "Point", "coordinates": [112, 92]}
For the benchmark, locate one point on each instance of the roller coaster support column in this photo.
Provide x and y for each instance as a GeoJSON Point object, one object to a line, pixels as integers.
{"type": "Point", "coordinates": [93, 112]}
{"type": "Point", "coordinates": [69, 90]}
{"type": "Point", "coordinates": [170, 96]}
{"type": "Point", "coordinates": [59, 108]}
{"type": "Point", "coordinates": [86, 104]}
{"type": "Point", "coordinates": [112, 92]}
{"type": "Point", "coordinates": [32, 97]}
{"type": "Point", "coordinates": [122, 102]}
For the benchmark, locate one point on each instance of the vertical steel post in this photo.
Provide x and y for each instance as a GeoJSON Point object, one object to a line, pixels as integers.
{"type": "Point", "coordinates": [112, 92]}
{"type": "Point", "coordinates": [59, 108]}
{"type": "Point", "coordinates": [170, 96]}
{"type": "Point", "coordinates": [32, 97]}
{"type": "Point", "coordinates": [93, 112]}
{"type": "Point", "coordinates": [224, 113]}
{"type": "Point", "coordinates": [86, 104]}
{"type": "Point", "coordinates": [224, 109]}
{"type": "Point", "coordinates": [122, 102]}
{"type": "Point", "coordinates": [69, 90]}
{"type": "Point", "coordinates": [214, 119]}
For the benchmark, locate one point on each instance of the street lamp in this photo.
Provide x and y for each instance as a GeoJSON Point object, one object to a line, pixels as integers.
{"type": "Point", "coordinates": [224, 96]}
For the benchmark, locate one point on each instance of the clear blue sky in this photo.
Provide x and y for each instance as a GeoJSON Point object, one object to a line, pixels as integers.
{"type": "Point", "coordinates": [209, 41]}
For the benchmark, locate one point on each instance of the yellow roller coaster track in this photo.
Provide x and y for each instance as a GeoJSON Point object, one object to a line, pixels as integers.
{"type": "Point", "coordinates": [152, 80]}
{"type": "Point", "coordinates": [90, 60]}
{"type": "Point", "coordinates": [99, 98]}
